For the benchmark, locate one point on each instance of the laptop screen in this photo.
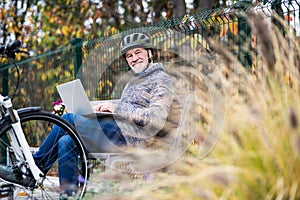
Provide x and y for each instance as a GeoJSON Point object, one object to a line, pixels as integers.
{"type": "Point", "coordinates": [74, 97]}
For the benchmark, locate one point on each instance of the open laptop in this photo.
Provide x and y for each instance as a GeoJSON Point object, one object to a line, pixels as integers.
{"type": "Point", "coordinates": [75, 99]}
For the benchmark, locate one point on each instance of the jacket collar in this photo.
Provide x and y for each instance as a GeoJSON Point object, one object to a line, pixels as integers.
{"type": "Point", "coordinates": [150, 69]}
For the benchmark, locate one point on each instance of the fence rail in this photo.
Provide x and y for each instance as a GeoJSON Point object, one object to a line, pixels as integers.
{"type": "Point", "coordinates": [40, 74]}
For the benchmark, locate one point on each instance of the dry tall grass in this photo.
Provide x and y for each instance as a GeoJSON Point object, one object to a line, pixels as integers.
{"type": "Point", "coordinates": [258, 153]}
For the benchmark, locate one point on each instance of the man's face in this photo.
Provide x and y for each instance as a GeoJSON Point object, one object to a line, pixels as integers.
{"type": "Point", "coordinates": [137, 59]}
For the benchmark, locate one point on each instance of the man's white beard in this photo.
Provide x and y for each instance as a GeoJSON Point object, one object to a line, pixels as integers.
{"type": "Point", "coordinates": [140, 68]}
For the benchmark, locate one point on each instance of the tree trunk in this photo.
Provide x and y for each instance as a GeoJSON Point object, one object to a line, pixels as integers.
{"type": "Point", "coordinates": [179, 8]}
{"type": "Point", "coordinates": [158, 7]}
{"type": "Point", "coordinates": [203, 5]}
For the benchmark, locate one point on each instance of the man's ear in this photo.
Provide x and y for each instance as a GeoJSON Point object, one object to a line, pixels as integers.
{"type": "Point", "coordinates": [150, 56]}
{"type": "Point", "coordinates": [150, 53]}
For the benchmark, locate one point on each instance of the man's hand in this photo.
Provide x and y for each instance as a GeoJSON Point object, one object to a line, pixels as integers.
{"type": "Point", "coordinates": [104, 107]}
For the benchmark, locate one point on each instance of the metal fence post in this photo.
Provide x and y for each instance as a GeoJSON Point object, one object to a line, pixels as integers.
{"type": "Point", "coordinates": [244, 35]}
{"type": "Point", "coordinates": [77, 44]}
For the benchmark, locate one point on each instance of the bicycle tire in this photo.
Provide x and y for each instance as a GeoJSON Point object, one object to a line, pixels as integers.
{"type": "Point", "coordinates": [40, 123]}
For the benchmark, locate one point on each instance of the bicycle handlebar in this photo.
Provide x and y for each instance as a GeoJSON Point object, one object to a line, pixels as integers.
{"type": "Point", "coordinates": [9, 51]}
{"type": "Point", "coordinates": [12, 48]}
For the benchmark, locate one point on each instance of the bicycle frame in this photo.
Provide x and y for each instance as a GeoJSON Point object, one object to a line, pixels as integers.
{"type": "Point", "coordinates": [17, 137]}
{"type": "Point", "coordinates": [20, 168]}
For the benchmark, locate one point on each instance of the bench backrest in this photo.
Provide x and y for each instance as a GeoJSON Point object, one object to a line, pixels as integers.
{"type": "Point", "coordinates": [170, 137]}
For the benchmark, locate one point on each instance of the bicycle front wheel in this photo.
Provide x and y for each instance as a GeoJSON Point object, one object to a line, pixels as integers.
{"type": "Point", "coordinates": [36, 127]}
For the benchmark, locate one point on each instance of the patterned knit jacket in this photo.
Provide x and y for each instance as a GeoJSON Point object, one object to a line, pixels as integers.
{"type": "Point", "coordinates": [144, 105]}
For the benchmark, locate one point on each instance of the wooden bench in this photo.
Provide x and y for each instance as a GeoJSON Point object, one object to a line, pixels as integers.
{"type": "Point", "coordinates": [175, 145]}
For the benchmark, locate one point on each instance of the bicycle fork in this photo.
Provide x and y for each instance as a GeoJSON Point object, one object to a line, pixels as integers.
{"type": "Point", "coordinates": [18, 140]}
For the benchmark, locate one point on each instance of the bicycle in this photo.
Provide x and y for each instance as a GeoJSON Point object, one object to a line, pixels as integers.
{"type": "Point", "coordinates": [21, 134]}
